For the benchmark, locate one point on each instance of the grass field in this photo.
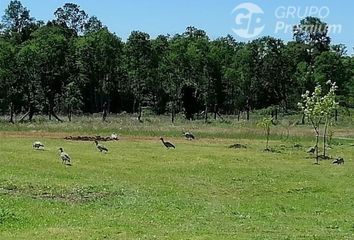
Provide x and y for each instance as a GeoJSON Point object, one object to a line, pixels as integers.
{"type": "Point", "coordinates": [200, 190]}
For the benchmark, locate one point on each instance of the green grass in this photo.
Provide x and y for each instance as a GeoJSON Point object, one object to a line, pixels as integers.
{"type": "Point", "coordinates": [200, 190]}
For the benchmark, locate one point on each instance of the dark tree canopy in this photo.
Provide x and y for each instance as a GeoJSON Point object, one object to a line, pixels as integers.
{"type": "Point", "coordinates": [73, 64]}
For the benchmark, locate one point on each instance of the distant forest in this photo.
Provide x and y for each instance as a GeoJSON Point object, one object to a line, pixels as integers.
{"type": "Point", "coordinates": [74, 65]}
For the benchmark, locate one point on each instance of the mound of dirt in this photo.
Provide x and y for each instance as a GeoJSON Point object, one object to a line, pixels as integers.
{"type": "Point", "coordinates": [237, 145]}
{"type": "Point", "coordinates": [90, 138]}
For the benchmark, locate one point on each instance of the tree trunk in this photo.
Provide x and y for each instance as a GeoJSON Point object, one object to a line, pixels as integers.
{"type": "Point", "coordinates": [104, 111]}
{"type": "Point", "coordinates": [50, 112]}
{"type": "Point", "coordinates": [55, 115]}
{"type": "Point", "coordinates": [215, 111]}
{"type": "Point", "coordinates": [24, 116]}
{"type": "Point", "coordinates": [69, 113]}
{"type": "Point", "coordinates": [173, 112]}
{"type": "Point", "coordinates": [303, 119]}
{"type": "Point", "coordinates": [134, 105]}
{"type": "Point", "coordinates": [220, 116]}
{"type": "Point", "coordinates": [140, 112]}
{"type": "Point", "coordinates": [11, 120]}
{"type": "Point", "coordinates": [248, 114]}
{"type": "Point", "coordinates": [206, 113]}
{"type": "Point", "coordinates": [316, 146]}
{"type": "Point", "coordinates": [31, 114]}
{"type": "Point", "coordinates": [325, 139]}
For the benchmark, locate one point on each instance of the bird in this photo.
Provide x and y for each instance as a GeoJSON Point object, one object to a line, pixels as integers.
{"type": "Point", "coordinates": [100, 147]}
{"type": "Point", "coordinates": [311, 150]}
{"type": "Point", "coordinates": [38, 145]}
{"type": "Point", "coordinates": [168, 145]}
{"type": "Point", "coordinates": [114, 136]}
{"type": "Point", "coordinates": [189, 135]}
{"type": "Point", "coordinates": [64, 156]}
{"type": "Point", "coordinates": [338, 161]}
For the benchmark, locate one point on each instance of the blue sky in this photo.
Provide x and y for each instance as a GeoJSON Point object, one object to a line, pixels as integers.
{"type": "Point", "coordinates": [214, 16]}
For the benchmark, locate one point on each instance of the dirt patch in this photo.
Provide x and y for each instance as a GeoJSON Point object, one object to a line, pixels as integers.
{"type": "Point", "coordinates": [237, 146]}
{"type": "Point", "coordinates": [90, 138]}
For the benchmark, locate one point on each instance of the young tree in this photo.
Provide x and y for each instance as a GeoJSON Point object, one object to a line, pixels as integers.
{"type": "Point", "coordinates": [317, 108]}
{"type": "Point", "coordinates": [266, 124]}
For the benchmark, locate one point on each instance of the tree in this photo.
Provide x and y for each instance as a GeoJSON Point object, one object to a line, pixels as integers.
{"type": "Point", "coordinates": [329, 65]}
{"type": "Point", "coordinates": [52, 46]}
{"type": "Point", "coordinates": [266, 124]}
{"type": "Point", "coordinates": [177, 66]}
{"type": "Point", "coordinates": [317, 108]}
{"type": "Point", "coordinates": [247, 72]}
{"type": "Point", "coordinates": [72, 98]}
{"type": "Point", "coordinates": [16, 23]}
{"type": "Point", "coordinates": [93, 24]}
{"type": "Point", "coordinates": [27, 59]}
{"type": "Point", "coordinates": [222, 52]}
{"type": "Point", "coordinates": [72, 17]}
{"type": "Point", "coordinates": [161, 74]}
{"type": "Point", "coordinates": [100, 59]}
{"type": "Point", "coordinates": [10, 89]}
{"type": "Point", "coordinates": [314, 32]}
{"type": "Point", "coordinates": [138, 53]}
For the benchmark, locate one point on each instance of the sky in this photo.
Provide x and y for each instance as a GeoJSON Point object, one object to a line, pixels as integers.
{"type": "Point", "coordinates": [244, 20]}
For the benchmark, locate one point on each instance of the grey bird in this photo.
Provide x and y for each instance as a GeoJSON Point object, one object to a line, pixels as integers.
{"type": "Point", "coordinates": [168, 145]}
{"type": "Point", "coordinates": [311, 150]}
{"type": "Point", "coordinates": [64, 157]}
{"type": "Point", "coordinates": [189, 135]}
{"type": "Point", "coordinates": [338, 161]}
{"type": "Point", "coordinates": [38, 145]}
{"type": "Point", "coordinates": [100, 147]}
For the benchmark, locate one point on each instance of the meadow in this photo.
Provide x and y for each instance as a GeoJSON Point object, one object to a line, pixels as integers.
{"type": "Point", "coordinates": [201, 190]}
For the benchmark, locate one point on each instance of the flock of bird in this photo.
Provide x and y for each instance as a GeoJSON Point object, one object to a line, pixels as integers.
{"type": "Point", "coordinates": [66, 159]}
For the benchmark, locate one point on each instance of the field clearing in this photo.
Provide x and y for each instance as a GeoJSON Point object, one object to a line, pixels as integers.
{"type": "Point", "coordinates": [200, 190]}
{"type": "Point", "coordinates": [128, 126]}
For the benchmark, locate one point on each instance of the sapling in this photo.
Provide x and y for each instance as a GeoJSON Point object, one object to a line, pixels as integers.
{"type": "Point", "coordinates": [266, 124]}
{"type": "Point", "coordinates": [318, 108]}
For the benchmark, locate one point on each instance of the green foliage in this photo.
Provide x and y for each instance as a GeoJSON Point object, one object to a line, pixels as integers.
{"type": "Point", "coordinates": [187, 73]}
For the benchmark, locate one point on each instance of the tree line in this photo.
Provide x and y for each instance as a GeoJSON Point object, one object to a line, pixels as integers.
{"type": "Point", "coordinates": [73, 64]}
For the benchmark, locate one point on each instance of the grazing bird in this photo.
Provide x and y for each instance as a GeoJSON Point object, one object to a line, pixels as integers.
{"type": "Point", "coordinates": [311, 150]}
{"type": "Point", "coordinates": [64, 156]}
{"type": "Point", "coordinates": [38, 145]}
{"type": "Point", "coordinates": [338, 161]}
{"type": "Point", "coordinates": [168, 145]}
{"type": "Point", "coordinates": [189, 135]}
{"type": "Point", "coordinates": [100, 147]}
{"type": "Point", "coordinates": [114, 136]}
